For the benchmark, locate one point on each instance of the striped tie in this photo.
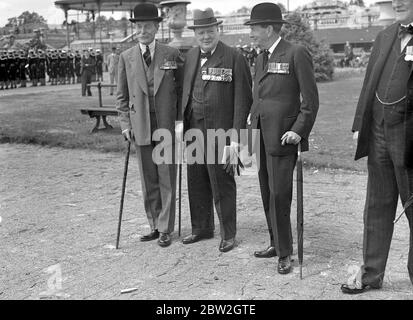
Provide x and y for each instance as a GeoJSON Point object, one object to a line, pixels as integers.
{"type": "Point", "coordinates": [147, 56]}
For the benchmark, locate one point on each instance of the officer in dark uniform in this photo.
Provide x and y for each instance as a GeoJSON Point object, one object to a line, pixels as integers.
{"type": "Point", "coordinates": [3, 70]}
{"type": "Point", "coordinates": [70, 68]}
{"type": "Point", "coordinates": [62, 67]}
{"type": "Point", "coordinates": [93, 57]}
{"type": "Point", "coordinates": [22, 68]}
{"type": "Point", "coordinates": [12, 70]}
{"type": "Point", "coordinates": [16, 56]}
{"type": "Point", "coordinates": [99, 65]}
{"type": "Point", "coordinates": [54, 68]}
{"type": "Point", "coordinates": [78, 59]}
{"type": "Point", "coordinates": [32, 61]}
{"type": "Point", "coordinates": [41, 68]}
{"type": "Point", "coordinates": [87, 69]}
{"type": "Point", "coordinates": [48, 57]}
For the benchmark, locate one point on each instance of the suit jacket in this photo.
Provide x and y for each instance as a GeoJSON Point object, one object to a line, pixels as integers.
{"type": "Point", "coordinates": [363, 117]}
{"type": "Point", "coordinates": [277, 102]}
{"type": "Point", "coordinates": [132, 92]}
{"type": "Point", "coordinates": [87, 65]}
{"type": "Point", "coordinates": [228, 103]}
{"type": "Point", "coordinates": [113, 61]}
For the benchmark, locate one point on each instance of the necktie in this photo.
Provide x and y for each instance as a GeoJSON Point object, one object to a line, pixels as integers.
{"type": "Point", "coordinates": [205, 55]}
{"type": "Point", "coordinates": [403, 30]}
{"type": "Point", "coordinates": [265, 58]}
{"type": "Point", "coordinates": [147, 56]}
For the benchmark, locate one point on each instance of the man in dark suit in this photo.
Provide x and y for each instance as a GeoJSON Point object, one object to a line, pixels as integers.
{"type": "Point", "coordinates": [216, 95]}
{"type": "Point", "coordinates": [379, 126]}
{"type": "Point", "coordinates": [284, 72]}
{"type": "Point", "coordinates": [87, 68]}
{"type": "Point", "coordinates": [148, 102]}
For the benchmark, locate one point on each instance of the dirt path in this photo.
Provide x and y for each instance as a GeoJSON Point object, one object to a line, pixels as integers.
{"type": "Point", "coordinates": [58, 224]}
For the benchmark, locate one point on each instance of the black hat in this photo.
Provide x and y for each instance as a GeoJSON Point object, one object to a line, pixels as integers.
{"type": "Point", "coordinates": [145, 12]}
{"type": "Point", "coordinates": [204, 19]}
{"type": "Point", "coordinates": [266, 13]}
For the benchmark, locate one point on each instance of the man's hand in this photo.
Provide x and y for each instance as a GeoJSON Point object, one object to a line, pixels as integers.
{"type": "Point", "coordinates": [290, 137]}
{"type": "Point", "coordinates": [356, 136]}
{"type": "Point", "coordinates": [127, 134]}
{"type": "Point", "coordinates": [179, 129]}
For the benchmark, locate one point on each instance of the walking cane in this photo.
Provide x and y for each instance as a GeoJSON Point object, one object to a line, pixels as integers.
{"type": "Point", "coordinates": [125, 173]}
{"type": "Point", "coordinates": [180, 186]}
{"type": "Point", "coordinates": [300, 211]}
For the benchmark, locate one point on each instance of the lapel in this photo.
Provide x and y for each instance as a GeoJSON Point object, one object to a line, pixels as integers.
{"type": "Point", "coordinates": [259, 72]}
{"type": "Point", "coordinates": [279, 51]}
{"type": "Point", "coordinates": [137, 68]}
{"type": "Point", "coordinates": [191, 65]}
{"type": "Point", "coordinates": [215, 59]}
{"type": "Point", "coordinates": [159, 55]}
{"type": "Point", "coordinates": [389, 36]}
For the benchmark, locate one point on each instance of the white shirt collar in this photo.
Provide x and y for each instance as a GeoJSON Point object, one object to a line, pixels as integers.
{"type": "Point", "coordinates": [272, 48]}
{"type": "Point", "coordinates": [405, 39]}
{"type": "Point", "coordinates": [151, 47]}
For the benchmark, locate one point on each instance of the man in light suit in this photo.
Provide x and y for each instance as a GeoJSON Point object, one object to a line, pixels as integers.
{"type": "Point", "coordinates": [383, 113]}
{"type": "Point", "coordinates": [113, 62]}
{"type": "Point", "coordinates": [216, 95]}
{"type": "Point", "coordinates": [147, 100]}
{"type": "Point", "coordinates": [284, 109]}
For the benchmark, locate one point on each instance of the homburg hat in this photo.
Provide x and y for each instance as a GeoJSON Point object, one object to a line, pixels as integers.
{"type": "Point", "coordinates": [204, 18]}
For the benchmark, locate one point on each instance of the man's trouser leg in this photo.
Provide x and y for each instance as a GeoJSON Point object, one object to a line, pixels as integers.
{"type": "Point", "coordinates": [83, 83]}
{"type": "Point", "coordinates": [264, 187]}
{"type": "Point", "coordinates": [150, 184]}
{"type": "Point", "coordinates": [387, 178]}
{"type": "Point", "coordinates": [224, 193]}
{"type": "Point", "coordinates": [112, 81]}
{"type": "Point", "coordinates": [88, 81]}
{"type": "Point", "coordinates": [199, 188]}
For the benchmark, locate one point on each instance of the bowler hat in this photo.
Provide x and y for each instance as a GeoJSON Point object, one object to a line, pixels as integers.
{"type": "Point", "coordinates": [266, 13]}
{"type": "Point", "coordinates": [204, 18]}
{"type": "Point", "coordinates": [145, 12]}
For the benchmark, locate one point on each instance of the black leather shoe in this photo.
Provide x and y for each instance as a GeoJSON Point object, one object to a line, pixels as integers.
{"type": "Point", "coordinates": [151, 236]}
{"type": "Point", "coordinates": [226, 245]}
{"type": "Point", "coordinates": [192, 238]}
{"type": "Point", "coordinates": [284, 265]}
{"type": "Point", "coordinates": [345, 288]}
{"type": "Point", "coordinates": [266, 253]}
{"type": "Point", "coordinates": [164, 240]}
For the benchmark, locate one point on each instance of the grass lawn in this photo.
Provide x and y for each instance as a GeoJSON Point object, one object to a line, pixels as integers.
{"type": "Point", "coordinates": [54, 119]}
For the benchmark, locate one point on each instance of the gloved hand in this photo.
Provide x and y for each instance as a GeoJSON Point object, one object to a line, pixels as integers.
{"type": "Point", "coordinates": [232, 160]}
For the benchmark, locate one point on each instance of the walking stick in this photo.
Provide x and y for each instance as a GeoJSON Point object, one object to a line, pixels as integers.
{"type": "Point", "coordinates": [125, 173]}
{"type": "Point", "coordinates": [300, 211]}
{"type": "Point", "coordinates": [180, 186]}
{"type": "Point", "coordinates": [407, 204]}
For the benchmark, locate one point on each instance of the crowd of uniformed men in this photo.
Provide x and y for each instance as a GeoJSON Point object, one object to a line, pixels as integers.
{"type": "Point", "coordinates": [17, 67]}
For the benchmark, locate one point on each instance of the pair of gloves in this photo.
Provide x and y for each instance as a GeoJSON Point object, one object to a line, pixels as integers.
{"type": "Point", "coordinates": [231, 159]}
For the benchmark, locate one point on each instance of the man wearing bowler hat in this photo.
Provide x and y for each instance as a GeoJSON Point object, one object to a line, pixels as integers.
{"type": "Point", "coordinates": [216, 95]}
{"type": "Point", "coordinates": [147, 100]}
{"type": "Point", "coordinates": [284, 109]}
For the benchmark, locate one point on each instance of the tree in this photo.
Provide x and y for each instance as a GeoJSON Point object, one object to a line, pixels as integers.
{"type": "Point", "coordinates": [243, 10]}
{"type": "Point", "coordinates": [124, 26]}
{"type": "Point", "coordinates": [300, 32]}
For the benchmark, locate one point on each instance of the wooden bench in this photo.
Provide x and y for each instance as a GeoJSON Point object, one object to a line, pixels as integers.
{"type": "Point", "coordinates": [101, 111]}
